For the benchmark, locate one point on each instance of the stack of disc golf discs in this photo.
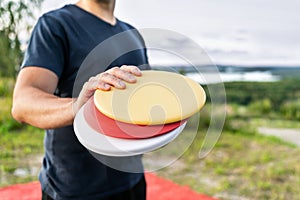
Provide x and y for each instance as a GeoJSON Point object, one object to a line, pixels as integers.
{"type": "Point", "coordinates": [143, 117]}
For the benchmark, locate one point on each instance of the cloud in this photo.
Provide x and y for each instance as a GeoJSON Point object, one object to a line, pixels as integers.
{"type": "Point", "coordinates": [231, 31]}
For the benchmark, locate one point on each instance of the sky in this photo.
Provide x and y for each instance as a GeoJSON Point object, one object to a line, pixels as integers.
{"type": "Point", "coordinates": [234, 32]}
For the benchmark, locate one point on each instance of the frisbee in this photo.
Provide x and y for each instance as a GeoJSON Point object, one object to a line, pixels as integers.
{"type": "Point", "coordinates": [110, 146]}
{"type": "Point", "coordinates": [110, 127]}
{"type": "Point", "coordinates": [158, 97]}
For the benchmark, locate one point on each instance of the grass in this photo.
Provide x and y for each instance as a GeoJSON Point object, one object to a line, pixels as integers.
{"type": "Point", "coordinates": [21, 146]}
{"type": "Point", "coordinates": [20, 155]}
{"type": "Point", "coordinates": [242, 113]}
{"type": "Point", "coordinates": [275, 123]}
{"type": "Point", "coordinates": [250, 166]}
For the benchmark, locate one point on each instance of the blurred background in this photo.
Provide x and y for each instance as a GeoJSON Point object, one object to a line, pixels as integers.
{"type": "Point", "coordinates": [255, 46]}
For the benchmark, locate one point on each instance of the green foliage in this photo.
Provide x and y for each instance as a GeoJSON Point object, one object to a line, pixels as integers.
{"type": "Point", "coordinates": [291, 109]}
{"type": "Point", "coordinates": [15, 18]}
{"type": "Point", "coordinates": [261, 107]}
{"type": "Point", "coordinates": [7, 123]}
{"type": "Point", "coordinates": [281, 99]}
{"type": "Point", "coordinates": [9, 56]}
{"type": "Point", "coordinates": [6, 87]}
{"type": "Point", "coordinates": [20, 150]}
{"type": "Point", "coordinates": [18, 142]}
{"type": "Point", "coordinates": [244, 93]}
{"type": "Point", "coordinates": [243, 165]}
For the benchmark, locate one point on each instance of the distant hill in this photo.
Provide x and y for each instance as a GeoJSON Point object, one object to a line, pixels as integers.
{"type": "Point", "coordinates": [283, 71]}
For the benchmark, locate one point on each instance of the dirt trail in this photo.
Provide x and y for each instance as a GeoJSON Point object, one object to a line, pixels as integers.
{"type": "Point", "coordinates": [289, 135]}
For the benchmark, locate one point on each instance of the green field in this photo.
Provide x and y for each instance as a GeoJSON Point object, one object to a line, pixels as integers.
{"type": "Point", "coordinates": [243, 164]}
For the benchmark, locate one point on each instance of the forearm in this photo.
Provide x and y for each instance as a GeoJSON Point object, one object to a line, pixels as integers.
{"type": "Point", "coordinates": [41, 109]}
{"type": "Point", "coordinates": [35, 104]}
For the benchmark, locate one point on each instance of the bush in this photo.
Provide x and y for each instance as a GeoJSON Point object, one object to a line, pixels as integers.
{"type": "Point", "coordinates": [244, 93]}
{"type": "Point", "coordinates": [6, 86]}
{"type": "Point", "coordinates": [291, 110]}
{"type": "Point", "coordinates": [261, 107]}
{"type": "Point", "coordinates": [7, 123]}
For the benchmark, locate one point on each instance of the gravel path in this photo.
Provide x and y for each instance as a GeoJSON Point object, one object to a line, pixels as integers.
{"type": "Point", "coordinates": [289, 135]}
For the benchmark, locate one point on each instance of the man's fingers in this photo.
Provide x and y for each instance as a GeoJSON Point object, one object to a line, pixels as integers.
{"type": "Point", "coordinates": [112, 80]}
{"type": "Point", "coordinates": [132, 69]}
{"type": "Point", "coordinates": [122, 74]}
{"type": "Point", "coordinates": [94, 84]}
{"type": "Point", "coordinates": [113, 77]}
{"type": "Point", "coordinates": [103, 86]}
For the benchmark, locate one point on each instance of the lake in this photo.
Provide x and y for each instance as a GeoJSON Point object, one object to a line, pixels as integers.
{"type": "Point", "coordinates": [253, 76]}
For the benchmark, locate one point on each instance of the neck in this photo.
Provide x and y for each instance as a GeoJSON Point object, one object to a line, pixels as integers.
{"type": "Point", "coordinates": [104, 9]}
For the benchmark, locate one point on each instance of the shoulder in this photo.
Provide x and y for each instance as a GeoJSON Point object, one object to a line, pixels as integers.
{"type": "Point", "coordinates": [56, 20]}
{"type": "Point", "coordinates": [126, 25]}
{"type": "Point", "coordinates": [64, 11]}
{"type": "Point", "coordinates": [58, 16]}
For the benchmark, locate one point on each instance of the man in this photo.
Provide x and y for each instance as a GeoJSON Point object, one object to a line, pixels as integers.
{"type": "Point", "coordinates": [60, 42]}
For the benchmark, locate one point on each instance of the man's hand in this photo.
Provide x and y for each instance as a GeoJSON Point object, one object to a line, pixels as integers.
{"type": "Point", "coordinates": [115, 77]}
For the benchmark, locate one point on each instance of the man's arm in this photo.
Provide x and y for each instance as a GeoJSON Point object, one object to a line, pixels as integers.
{"type": "Point", "coordinates": [34, 101]}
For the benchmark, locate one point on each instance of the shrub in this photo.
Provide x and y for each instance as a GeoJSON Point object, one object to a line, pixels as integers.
{"type": "Point", "coordinates": [6, 121]}
{"type": "Point", "coordinates": [263, 106]}
{"type": "Point", "coordinates": [6, 86]}
{"type": "Point", "coordinates": [291, 109]}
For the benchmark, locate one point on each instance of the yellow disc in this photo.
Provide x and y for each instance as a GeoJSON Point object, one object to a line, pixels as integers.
{"type": "Point", "coordinates": [158, 97]}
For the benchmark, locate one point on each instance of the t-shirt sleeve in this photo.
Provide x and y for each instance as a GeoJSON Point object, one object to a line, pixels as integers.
{"type": "Point", "coordinates": [46, 47]}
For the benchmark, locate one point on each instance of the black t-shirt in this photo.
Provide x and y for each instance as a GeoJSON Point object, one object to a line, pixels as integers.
{"type": "Point", "coordinates": [60, 42]}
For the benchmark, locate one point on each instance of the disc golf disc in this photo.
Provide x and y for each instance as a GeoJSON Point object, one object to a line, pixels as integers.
{"type": "Point", "coordinates": [110, 146]}
{"type": "Point", "coordinates": [110, 127]}
{"type": "Point", "coordinates": [158, 97]}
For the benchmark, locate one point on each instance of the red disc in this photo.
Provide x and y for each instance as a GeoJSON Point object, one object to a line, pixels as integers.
{"type": "Point", "coordinates": [110, 127]}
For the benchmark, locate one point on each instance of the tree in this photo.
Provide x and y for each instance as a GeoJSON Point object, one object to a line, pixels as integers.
{"type": "Point", "coordinates": [16, 18]}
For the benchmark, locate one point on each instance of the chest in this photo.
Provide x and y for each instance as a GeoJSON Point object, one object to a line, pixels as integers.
{"type": "Point", "coordinates": [93, 48]}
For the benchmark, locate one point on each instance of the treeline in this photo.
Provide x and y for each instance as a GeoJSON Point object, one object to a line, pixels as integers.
{"type": "Point", "coordinates": [282, 97]}
{"type": "Point", "coordinates": [278, 93]}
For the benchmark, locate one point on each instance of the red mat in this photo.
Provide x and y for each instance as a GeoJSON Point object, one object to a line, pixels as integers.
{"type": "Point", "coordinates": [157, 189]}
